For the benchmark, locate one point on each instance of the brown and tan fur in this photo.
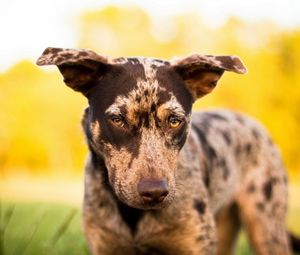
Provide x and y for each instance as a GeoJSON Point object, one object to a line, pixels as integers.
{"type": "Point", "coordinates": [214, 171]}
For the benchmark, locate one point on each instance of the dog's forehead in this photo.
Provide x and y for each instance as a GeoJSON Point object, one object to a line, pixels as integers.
{"type": "Point", "coordinates": [149, 90]}
{"type": "Point", "coordinates": [139, 85]}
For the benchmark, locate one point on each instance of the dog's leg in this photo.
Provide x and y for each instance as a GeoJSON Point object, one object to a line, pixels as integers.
{"type": "Point", "coordinates": [263, 204]}
{"type": "Point", "coordinates": [228, 226]}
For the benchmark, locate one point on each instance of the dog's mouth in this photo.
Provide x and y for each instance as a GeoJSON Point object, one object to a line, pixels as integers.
{"type": "Point", "coordinates": [150, 204]}
{"type": "Point", "coordinates": [153, 205]}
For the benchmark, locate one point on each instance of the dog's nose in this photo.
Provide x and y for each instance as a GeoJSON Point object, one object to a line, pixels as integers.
{"type": "Point", "coordinates": [153, 191]}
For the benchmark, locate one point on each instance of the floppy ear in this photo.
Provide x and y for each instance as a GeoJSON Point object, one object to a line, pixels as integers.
{"type": "Point", "coordinates": [80, 68]}
{"type": "Point", "coordinates": [202, 72]}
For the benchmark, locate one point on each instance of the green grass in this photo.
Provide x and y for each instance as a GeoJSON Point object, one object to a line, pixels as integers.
{"type": "Point", "coordinates": [50, 229]}
{"type": "Point", "coordinates": [40, 228]}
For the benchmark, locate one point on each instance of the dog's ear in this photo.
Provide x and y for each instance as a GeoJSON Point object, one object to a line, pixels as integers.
{"type": "Point", "coordinates": [202, 72]}
{"type": "Point", "coordinates": [80, 68]}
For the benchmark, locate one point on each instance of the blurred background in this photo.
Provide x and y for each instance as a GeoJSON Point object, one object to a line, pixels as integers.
{"type": "Point", "coordinates": [42, 147]}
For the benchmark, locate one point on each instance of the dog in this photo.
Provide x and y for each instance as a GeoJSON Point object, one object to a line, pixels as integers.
{"type": "Point", "coordinates": [161, 180]}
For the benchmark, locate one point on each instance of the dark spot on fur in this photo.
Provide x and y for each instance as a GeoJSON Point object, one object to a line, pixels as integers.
{"type": "Point", "coordinates": [144, 119]}
{"type": "Point", "coordinates": [210, 151]}
{"type": "Point", "coordinates": [201, 238]}
{"type": "Point", "coordinates": [52, 50]}
{"type": "Point", "coordinates": [216, 116]}
{"type": "Point", "coordinates": [268, 189]}
{"type": "Point", "coordinates": [153, 108]}
{"type": "Point", "coordinates": [255, 161]}
{"type": "Point", "coordinates": [226, 172]}
{"type": "Point", "coordinates": [206, 177]}
{"type": "Point", "coordinates": [275, 180]}
{"type": "Point", "coordinates": [101, 204]}
{"type": "Point", "coordinates": [255, 134]}
{"type": "Point", "coordinates": [159, 61]}
{"type": "Point", "coordinates": [260, 206]}
{"type": "Point", "coordinates": [223, 164]}
{"type": "Point", "coordinates": [275, 239]}
{"type": "Point", "coordinates": [206, 65]}
{"type": "Point", "coordinates": [208, 119]}
{"type": "Point", "coordinates": [131, 160]}
{"type": "Point", "coordinates": [153, 66]}
{"type": "Point", "coordinates": [238, 150]}
{"type": "Point", "coordinates": [131, 216]}
{"type": "Point", "coordinates": [133, 61]}
{"type": "Point", "coordinates": [67, 55]}
{"type": "Point", "coordinates": [248, 148]}
{"type": "Point", "coordinates": [200, 206]}
{"type": "Point", "coordinates": [251, 188]}
{"type": "Point", "coordinates": [226, 137]}
{"type": "Point", "coordinates": [151, 251]}
{"type": "Point", "coordinates": [83, 54]}
{"type": "Point", "coordinates": [138, 99]}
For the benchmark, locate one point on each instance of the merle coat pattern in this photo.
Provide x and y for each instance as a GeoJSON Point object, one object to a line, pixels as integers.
{"type": "Point", "coordinates": [161, 180]}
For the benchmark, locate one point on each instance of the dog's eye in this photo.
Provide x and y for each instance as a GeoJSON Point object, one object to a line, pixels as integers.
{"type": "Point", "coordinates": [174, 122]}
{"type": "Point", "coordinates": [118, 121]}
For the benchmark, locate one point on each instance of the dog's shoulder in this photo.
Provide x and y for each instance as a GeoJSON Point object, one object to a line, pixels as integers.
{"type": "Point", "coordinates": [232, 126]}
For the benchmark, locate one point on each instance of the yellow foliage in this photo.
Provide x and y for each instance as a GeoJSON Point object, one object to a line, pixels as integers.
{"type": "Point", "coordinates": [40, 117]}
{"type": "Point", "coordinates": [39, 121]}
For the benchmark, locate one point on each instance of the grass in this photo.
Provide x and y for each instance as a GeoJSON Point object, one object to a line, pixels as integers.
{"type": "Point", "coordinates": [50, 229]}
{"type": "Point", "coordinates": [40, 228]}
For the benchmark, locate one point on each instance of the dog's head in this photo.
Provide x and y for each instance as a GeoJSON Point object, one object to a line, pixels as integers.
{"type": "Point", "coordinates": [139, 114]}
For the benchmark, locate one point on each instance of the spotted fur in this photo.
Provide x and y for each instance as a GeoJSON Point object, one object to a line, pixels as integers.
{"type": "Point", "coordinates": [219, 167]}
